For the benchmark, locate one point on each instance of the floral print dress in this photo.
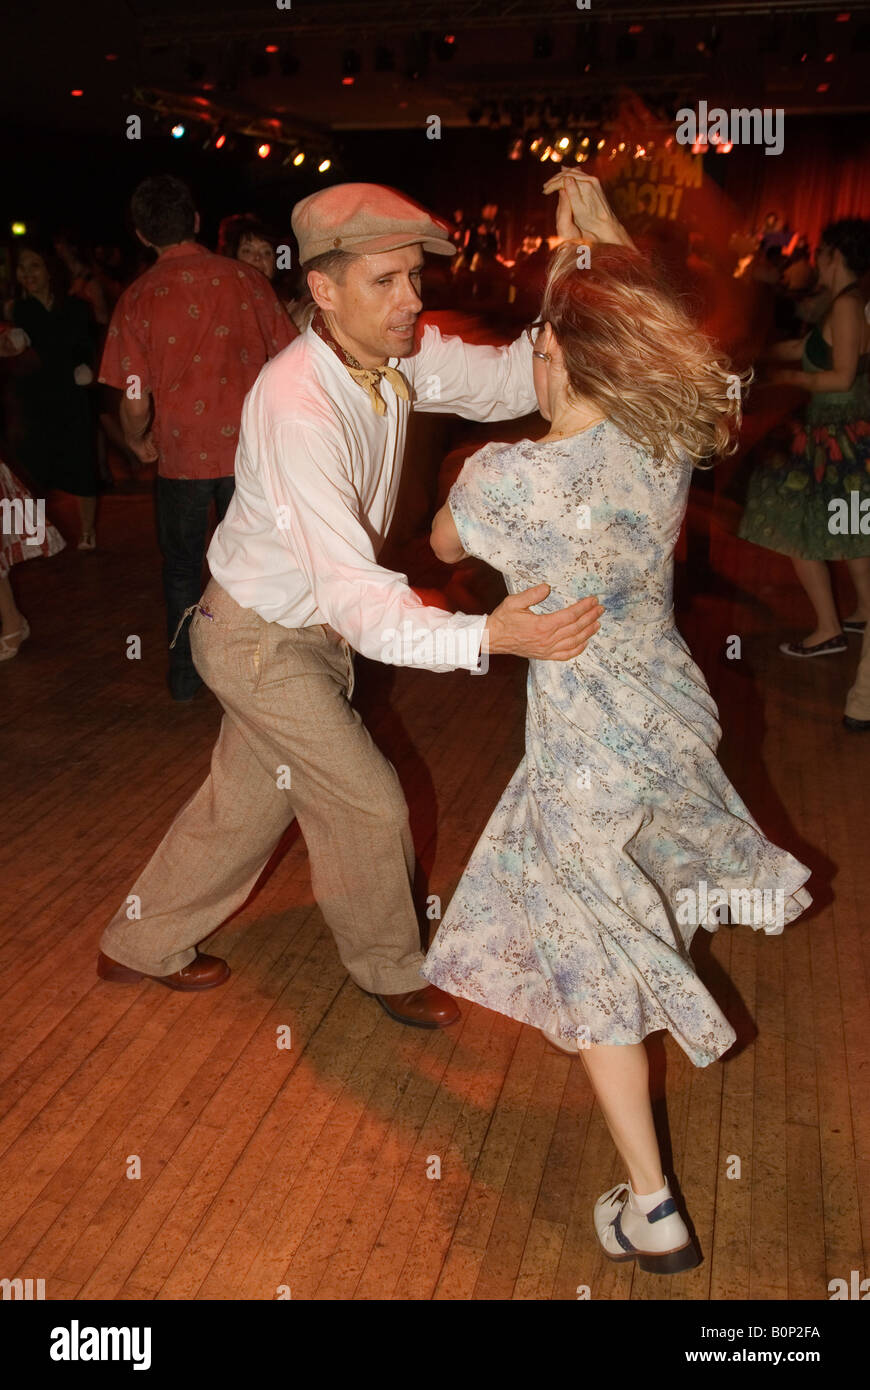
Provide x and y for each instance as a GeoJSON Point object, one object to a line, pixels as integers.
{"type": "Point", "coordinates": [606, 850]}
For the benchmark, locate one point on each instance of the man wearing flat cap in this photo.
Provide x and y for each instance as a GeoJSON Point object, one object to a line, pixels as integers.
{"type": "Point", "coordinates": [296, 588]}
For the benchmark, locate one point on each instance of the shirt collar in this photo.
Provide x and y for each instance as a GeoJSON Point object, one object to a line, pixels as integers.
{"type": "Point", "coordinates": [369, 378]}
{"type": "Point", "coordinates": [183, 248]}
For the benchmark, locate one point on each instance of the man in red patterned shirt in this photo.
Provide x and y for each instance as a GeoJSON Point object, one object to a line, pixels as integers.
{"type": "Point", "coordinates": [185, 345]}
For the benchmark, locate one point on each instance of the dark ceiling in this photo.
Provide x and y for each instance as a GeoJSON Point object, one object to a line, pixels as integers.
{"type": "Point", "coordinates": [367, 64]}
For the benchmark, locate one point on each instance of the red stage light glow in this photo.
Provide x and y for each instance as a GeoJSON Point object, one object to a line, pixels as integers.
{"type": "Point", "coordinates": [220, 142]}
{"type": "Point", "coordinates": [76, 92]}
{"type": "Point", "coordinates": [348, 81]}
{"type": "Point", "coordinates": [271, 48]}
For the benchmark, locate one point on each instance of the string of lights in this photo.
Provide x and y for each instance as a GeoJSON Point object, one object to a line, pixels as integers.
{"type": "Point", "coordinates": [223, 128]}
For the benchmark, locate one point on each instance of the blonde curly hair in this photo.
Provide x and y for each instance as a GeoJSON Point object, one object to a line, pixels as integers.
{"type": "Point", "coordinates": [629, 347]}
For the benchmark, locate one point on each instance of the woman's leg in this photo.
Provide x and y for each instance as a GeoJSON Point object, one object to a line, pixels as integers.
{"type": "Point", "coordinates": [88, 514]}
{"type": "Point", "coordinates": [643, 1222]}
{"type": "Point", "coordinates": [14, 624]}
{"type": "Point", "coordinates": [11, 618]}
{"type": "Point", "coordinates": [815, 577]}
{"type": "Point", "coordinates": [620, 1079]}
{"type": "Point", "coordinates": [859, 571]}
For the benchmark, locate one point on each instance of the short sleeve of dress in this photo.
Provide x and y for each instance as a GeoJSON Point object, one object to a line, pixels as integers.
{"type": "Point", "coordinates": [486, 504]}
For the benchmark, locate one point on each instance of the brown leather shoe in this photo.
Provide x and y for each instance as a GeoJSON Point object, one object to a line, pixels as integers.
{"type": "Point", "coordinates": [205, 972]}
{"type": "Point", "coordinates": [428, 1007]}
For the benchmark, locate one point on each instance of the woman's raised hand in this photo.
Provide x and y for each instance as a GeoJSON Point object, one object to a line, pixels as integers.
{"type": "Point", "coordinates": [583, 213]}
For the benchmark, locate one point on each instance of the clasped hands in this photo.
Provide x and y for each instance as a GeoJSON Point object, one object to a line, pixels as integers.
{"type": "Point", "coordinates": [583, 213]}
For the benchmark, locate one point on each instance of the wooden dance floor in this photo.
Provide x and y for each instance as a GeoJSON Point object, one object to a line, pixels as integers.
{"type": "Point", "coordinates": [310, 1169]}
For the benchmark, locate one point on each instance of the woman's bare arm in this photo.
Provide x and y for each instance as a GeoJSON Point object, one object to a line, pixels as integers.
{"type": "Point", "coordinates": [847, 332]}
{"type": "Point", "coordinates": [792, 350]}
{"type": "Point", "coordinates": [444, 537]}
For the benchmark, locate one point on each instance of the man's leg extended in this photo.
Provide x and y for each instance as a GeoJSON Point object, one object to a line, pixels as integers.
{"type": "Point", "coordinates": [290, 744]}
{"type": "Point", "coordinates": [206, 864]}
{"type": "Point", "coordinates": [347, 799]}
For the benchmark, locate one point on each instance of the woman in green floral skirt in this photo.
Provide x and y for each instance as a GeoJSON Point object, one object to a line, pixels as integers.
{"type": "Point", "coordinates": [809, 497]}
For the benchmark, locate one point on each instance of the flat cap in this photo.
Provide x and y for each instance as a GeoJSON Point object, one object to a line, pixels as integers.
{"type": "Point", "coordinates": [363, 219]}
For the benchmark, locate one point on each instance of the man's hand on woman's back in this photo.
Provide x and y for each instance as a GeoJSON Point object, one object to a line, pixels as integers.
{"type": "Point", "coordinates": [512, 628]}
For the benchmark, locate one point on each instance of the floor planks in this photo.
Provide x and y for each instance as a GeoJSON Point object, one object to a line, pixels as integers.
{"type": "Point", "coordinates": [312, 1169]}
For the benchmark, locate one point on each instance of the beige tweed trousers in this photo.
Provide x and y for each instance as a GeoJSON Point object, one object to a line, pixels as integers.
{"type": "Point", "coordinates": [290, 746]}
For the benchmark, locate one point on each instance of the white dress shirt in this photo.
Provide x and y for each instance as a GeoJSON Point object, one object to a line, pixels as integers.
{"type": "Point", "coordinates": [317, 476]}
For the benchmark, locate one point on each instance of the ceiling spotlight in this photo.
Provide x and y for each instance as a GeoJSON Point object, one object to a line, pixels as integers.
{"type": "Point", "coordinates": [299, 158]}
{"type": "Point", "coordinates": [177, 131]}
{"type": "Point", "coordinates": [324, 165]}
{"type": "Point", "coordinates": [220, 142]}
{"type": "Point", "coordinates": [564, 142]}
{"type": "Point", "coordinates": [264, 150]}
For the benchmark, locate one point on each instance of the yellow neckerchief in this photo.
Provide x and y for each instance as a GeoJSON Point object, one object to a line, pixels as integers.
{"type": "Point", "coordinates": [368, 377]}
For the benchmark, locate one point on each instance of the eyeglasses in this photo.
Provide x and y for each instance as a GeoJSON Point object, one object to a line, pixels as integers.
{"type": "Point", "coordinates": [533, 330]}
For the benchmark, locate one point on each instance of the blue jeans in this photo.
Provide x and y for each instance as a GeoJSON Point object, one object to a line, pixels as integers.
{"type": "Point", "coordinates": [182, 525]}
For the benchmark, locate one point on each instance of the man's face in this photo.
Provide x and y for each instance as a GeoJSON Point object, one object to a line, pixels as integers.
{"type": "Point", "coordinates": [375, 310]}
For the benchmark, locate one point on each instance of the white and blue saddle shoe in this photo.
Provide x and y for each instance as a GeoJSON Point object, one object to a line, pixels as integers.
{"type": "Point", "coordinates": [660, 1241]}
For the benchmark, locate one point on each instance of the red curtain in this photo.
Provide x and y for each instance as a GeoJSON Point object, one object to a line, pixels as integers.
{"type": "Point", "coordinates": [823, 173]}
